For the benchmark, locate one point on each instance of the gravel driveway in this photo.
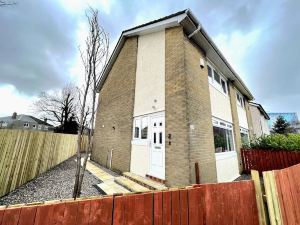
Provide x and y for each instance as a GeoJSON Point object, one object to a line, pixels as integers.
{"type": "Point", "coordinates": [56, 183]}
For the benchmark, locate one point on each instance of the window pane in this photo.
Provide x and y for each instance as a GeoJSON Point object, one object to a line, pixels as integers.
{"type": "Point", "coordinates": [137, 129]}
{"type": "Point", "coordinates": [245, 139]}
{"type": "Point", "coordinates": [154, 138]}
{"type": "Point", "coordinates": [160, 138]}
{"type": "Point", "coordinates": [144, 128]}
{"type": "Point", "coordinates": [224, 86]}
{"type": "Point", "coordinates": [209, 71]}
{"type": "Point", "coordinates": [217, 77]}
{"type": "Point", "coordinates": [223, 140]}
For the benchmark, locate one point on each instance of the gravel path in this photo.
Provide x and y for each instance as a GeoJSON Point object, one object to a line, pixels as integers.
{"type": "Point", "coordinates": [56, 183]}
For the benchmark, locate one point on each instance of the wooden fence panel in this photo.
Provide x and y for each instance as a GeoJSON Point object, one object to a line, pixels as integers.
{"type": "Point", "coordinates": [26, 154]}
{"type": "Point", "coordinates": [288, 186]}
{"type": "Point", "coordinates": [214, 204]}
{"type": "Point", "coordinates": [265, 160]}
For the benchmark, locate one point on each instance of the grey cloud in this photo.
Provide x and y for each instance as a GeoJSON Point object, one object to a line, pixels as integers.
{"type": "Point", "coordinates": [37, 43]}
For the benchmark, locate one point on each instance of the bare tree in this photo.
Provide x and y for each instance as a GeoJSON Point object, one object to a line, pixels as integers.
{"type": "Point", "coordinates": [58, 107]}
{"type": "Point", "coordinates": [6, 3]}
{"type": "Point", "coordinates": [94, 57]}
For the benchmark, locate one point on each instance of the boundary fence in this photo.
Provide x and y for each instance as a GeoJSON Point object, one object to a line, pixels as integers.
{"type": "Point", "coordinates": [26, 154]}
{"type": "Point", "coordinates": [264, 160]}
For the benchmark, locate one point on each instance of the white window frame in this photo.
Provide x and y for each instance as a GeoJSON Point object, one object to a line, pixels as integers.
{"type": "Point", "coordinates": [26, 125]}
{"type": "Point", "coordinates": [139, 140]}
{"type": "Point", "coordinates": [216, 84]}
{"type": "Point", "coordinates": [227, 126]}
{"type": "Point", "coordinates": [39, 127]}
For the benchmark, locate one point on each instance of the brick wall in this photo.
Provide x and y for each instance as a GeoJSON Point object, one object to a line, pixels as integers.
{"type": "Point", "coordinates": [201, 140]}
{"type": "Point", "coordinates": [236, 125]}
{"type": "Point", "coordinates": [188, 113]}
{"type": "Point", "coordinates": [177, 154]}
{"type": "Point", "coordinates": [114, 117]}
{"type": "Point", "coordinates": [249, 119]}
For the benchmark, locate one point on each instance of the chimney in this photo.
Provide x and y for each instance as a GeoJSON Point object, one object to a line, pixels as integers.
{"type": "Point", "coordinates": [14, 116]}
{"type": "Point", "coordinates": [45, 120]}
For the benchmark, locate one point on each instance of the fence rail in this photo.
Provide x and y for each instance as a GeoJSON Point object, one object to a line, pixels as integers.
{"type": "Point", "coordinates": [215, 204]}
{"type": "Point", "coordinates": [264, 160]}
{"type": "Point", "coordinates": [26, 154]}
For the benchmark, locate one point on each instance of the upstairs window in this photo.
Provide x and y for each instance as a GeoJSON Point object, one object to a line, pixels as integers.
{"type": "Point", "coordinates": [217, 80]}
{"type": "Point", "coordinates": [209, 74]}
{"type": "Point", "coordinates": [240, 99]}
{"type": "Point", "coordinates": [217, 77]}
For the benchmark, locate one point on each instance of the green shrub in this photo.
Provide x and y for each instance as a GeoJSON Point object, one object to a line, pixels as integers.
{"type": "Point", "coordinates": [289, 142]}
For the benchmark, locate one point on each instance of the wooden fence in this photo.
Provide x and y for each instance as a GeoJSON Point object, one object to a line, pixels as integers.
{"type": "Point", "coordinates": [26, 154]}
{"type": "Point", "coordinates": [264, 160]}
{"type": "Point", "coordinates": [212, 204]}
{"type": "Point", "coordinates": [278, 200]}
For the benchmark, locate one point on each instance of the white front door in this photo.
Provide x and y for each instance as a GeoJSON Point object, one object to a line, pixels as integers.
{"type": "Point", "coordinates": [157, 147]}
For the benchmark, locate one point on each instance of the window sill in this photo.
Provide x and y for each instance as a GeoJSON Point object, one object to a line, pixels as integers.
{"type": "Point", "coordinates": [225, 155]}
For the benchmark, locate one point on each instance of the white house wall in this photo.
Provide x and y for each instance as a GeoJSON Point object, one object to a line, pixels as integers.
{"type": "Point", "coordinates": [139, 159]}
{"type": "Point", "coordinates": [150, 74]}
{"type": "Point", "coordinates": [227, 166]}
{"type": "Point", "coordinates": [220, 105]}
{"type": "Point", "coordinates": [242, 117]}
{"type": "Point", "coordinates": [149, 92]}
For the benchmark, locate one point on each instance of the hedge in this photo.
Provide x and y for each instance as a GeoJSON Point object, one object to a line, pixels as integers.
{"type": "Point", "coordinates": [289, 142]}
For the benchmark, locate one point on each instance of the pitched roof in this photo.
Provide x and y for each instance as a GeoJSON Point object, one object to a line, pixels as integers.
{"type": "Point", "coordinates": [24, 118]}
{"type": "Point", "coordinates": [194, 30]}
{"type": "Point", "coordinates": [261, 109]}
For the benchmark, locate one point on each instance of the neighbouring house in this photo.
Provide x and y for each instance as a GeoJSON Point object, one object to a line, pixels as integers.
{"type": "Point", "coordinates": [25, 122]}
{"type": "Point", "coordinates": [259, 120]}
{"type": "Point", "coordinates": [169, 99]}
{"type": "Point", "coordinates": [290, 117]}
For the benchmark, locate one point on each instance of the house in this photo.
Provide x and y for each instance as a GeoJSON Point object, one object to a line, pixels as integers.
{"type": "Point", "coordinates": [259, 119]}
{"type": "Point", "coordinates": [290, 117]}
{"type": "Point", "coordinates": [25, 122]}
{"type": "Point", "coordinates": [168, 99]}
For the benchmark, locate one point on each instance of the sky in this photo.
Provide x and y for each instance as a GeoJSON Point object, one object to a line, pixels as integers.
{"type": "Point", "coordinates": [39, 43]}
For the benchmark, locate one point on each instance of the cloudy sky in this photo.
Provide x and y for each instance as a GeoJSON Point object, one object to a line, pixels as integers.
{"type": "Point", "coordinates": [39, 43]}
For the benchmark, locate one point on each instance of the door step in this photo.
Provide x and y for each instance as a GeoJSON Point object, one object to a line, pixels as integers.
{"type": "Point", "coordinates": [130, 185]}
{"type": "Point", "coordinates": [110, 187]}
{"type": "Point", "coordinates": [150, 184]}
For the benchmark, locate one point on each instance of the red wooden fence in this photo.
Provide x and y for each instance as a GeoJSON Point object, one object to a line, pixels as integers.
{"type": "Point", "coordinates": [212, 204]}
{"type": "Point", "coordinates": [264, 160]}
{"type": "Point", "coordinates": [288, 188]}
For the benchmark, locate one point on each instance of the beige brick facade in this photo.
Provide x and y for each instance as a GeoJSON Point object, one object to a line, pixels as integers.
{"type": "Point", "coordinates": [177, 154]}
{"type": "Point", "coordinates": [249, 119]}
{"type": "Point", "coordinates": [188, 113]}
{"type": "Point", "coordinates": [113, 129]}
{"type": "Point", "coordinates": [236, 125]}
{"type": "Point", "coordinates": [201, 142]}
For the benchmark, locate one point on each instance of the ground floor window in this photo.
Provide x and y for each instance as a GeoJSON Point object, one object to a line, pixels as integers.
{"type": "Point", "coordinates": [244, 136]}
{"type": "Point", "coordinates": [223, 136]}
{"type": "Point", "coordinates": [140, 130]}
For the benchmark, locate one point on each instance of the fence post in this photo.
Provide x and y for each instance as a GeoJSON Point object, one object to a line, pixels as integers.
{"type": "Point", "coordinates": [197, 174]}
